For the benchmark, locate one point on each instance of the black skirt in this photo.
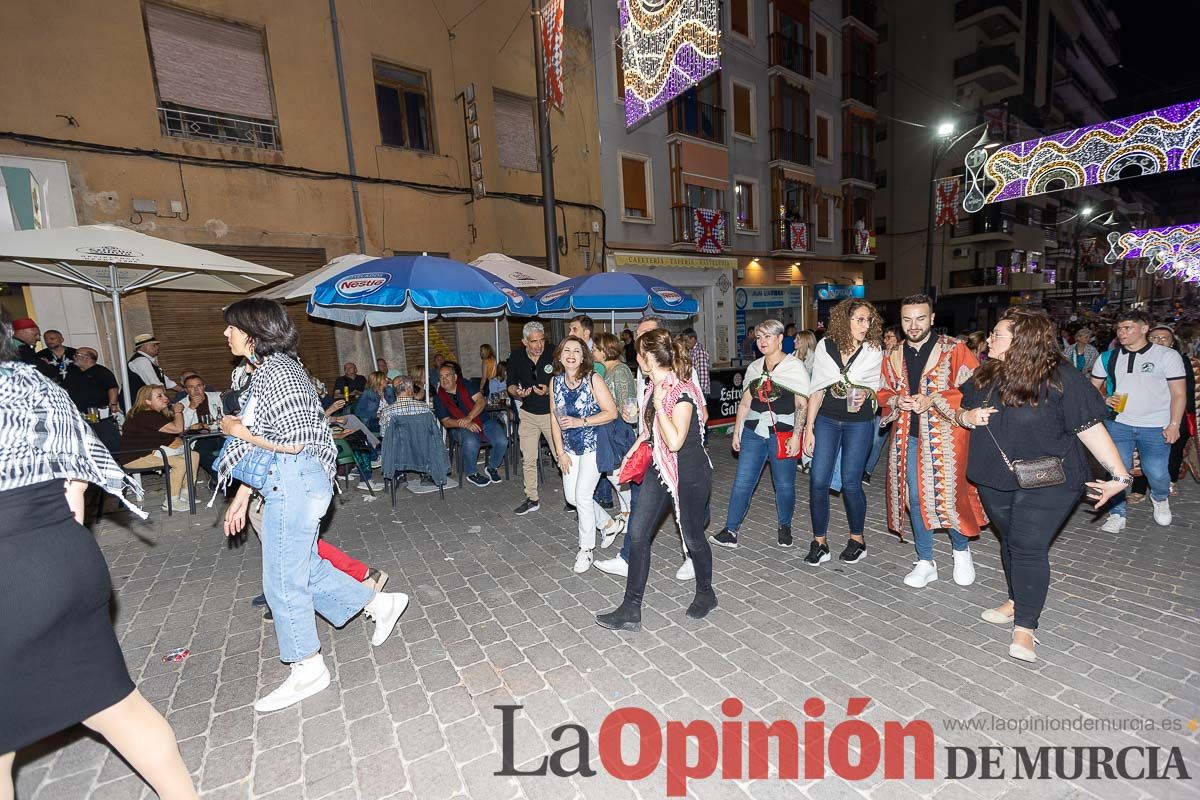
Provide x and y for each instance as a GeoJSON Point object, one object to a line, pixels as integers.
{"type": "Point", "coordinates": [58, 654]}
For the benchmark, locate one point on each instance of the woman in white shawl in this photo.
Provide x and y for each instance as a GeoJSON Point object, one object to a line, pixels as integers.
{"type": "Point", "coordinates": [773, 397]}
{"type": "Point", "coordinates": [841, 414]}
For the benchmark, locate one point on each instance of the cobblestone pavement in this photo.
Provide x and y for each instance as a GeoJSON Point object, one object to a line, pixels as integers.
{"type": "Point", "coordinates": [499, 618]}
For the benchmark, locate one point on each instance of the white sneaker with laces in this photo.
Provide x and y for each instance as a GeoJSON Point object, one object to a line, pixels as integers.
{"type": "Point", "coordinates": [611, 531]}
{"type": "Point", "coordinates": [1114, 524]}
{"type": "Point", "coordinates": [1162, 511]}
{"type": "Point", "coordinates": [964, 567]}
{"type": "Point", "coordinates": [306, 679]}
{"type": "Point", "coordinates": [687, 571]}
{"type": "Point", "coordinates": [923, 573]}
{"type": "Point", "coordinates": [385, 610]}
{"type": "Point", "coordinates": [583, 562]}
{"type": "Point", "coordinates": [613, 566]}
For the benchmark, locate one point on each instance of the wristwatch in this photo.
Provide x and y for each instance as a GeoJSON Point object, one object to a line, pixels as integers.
{"type": "Point", "coordinates": [1127, 480]}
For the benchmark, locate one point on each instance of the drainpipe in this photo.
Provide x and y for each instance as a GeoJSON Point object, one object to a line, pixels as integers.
{"type": "Point", "coordinates": [341, 76]}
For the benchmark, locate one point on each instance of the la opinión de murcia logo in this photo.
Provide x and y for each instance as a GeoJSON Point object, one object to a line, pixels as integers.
{"type": "Point", "coordinates": [853, 750]}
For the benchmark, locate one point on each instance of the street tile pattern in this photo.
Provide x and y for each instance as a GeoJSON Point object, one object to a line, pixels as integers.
{"type": "Point", "coordinates": [499, 618]}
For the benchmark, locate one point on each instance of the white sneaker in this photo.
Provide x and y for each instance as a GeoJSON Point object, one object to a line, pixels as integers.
{"type": "Point", "coordinates": [583, 562]}
{"type": "Point", "coordinates": [385, 609]}
{"type": "Point", "coordinates": [1114, 524]}
{"type": "Point", "coordinates": [306, 679]}
{"type": "Point", "coordinates": [611, 531]}
{"type": "Point", "coordinates": [613, 566]}
{"type": "Point", "coordinates": [367, 486]}
{"type": "Point", "coordinates": [964, 567]}
{"type": "Point", "coordinates": [1162, 511]}
{"type": "Point", "coordinates": [923, 573]}
{"type": "Point", "coordinates": [686, 572]}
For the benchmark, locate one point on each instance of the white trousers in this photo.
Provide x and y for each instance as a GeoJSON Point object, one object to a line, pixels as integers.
{"type": "Point", "coordinates": [579, 485]}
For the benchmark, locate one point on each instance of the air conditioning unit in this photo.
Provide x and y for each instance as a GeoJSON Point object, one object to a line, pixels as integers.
{"type": "Point", "coordinates": [961, 252]}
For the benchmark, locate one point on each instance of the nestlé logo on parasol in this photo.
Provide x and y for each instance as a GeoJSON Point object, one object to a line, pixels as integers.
{"type": "Point", "coordinates": [551, 296]}
{"type": "Point", "coordinates": [361, 285]}
{"type": "Point", "coordinates": [669, 296]}
{"type": "Point", "coordinates": [509, 292]}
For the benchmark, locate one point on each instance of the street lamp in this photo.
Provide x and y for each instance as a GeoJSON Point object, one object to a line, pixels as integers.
{"type": "Point", "coordinates": [1085, 219]}
{"type": "Point", "coordinates": [944, 131]}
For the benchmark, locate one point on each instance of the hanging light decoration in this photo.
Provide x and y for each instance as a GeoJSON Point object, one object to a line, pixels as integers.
{"type": "Point", "coordinates": [1171, 250]}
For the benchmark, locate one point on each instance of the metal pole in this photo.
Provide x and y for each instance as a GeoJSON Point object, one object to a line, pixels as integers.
{"type": "Point", "coordinates": [122, 370]}
{"type": "Point", "coordinates": [341, 76]}
{"type": "Point", "coordinates": [428, 398]}
{"type": "Point", "coordinates": [497, 339]}
{"type": "Point", "coordinates": [1121, 300]}
{"type": "Point", "coordinates": [929, 229]}
{"type": "Point", "coordinates": [545, 154]}
{"type": "Point", "coordinates": [1075, 274]}
{"type": "Point", "coordinates": [371, 344]}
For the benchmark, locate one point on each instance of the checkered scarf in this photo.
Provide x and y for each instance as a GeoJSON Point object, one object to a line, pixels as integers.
{"type": "Point", "coordinates": [286, 411]}
{"type": "Point", "coordinates": [44, 438]}
{"type": "Point", "coordinates": [665, 459]}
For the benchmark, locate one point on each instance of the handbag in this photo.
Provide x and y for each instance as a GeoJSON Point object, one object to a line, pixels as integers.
{"type": "Point", "coordinates": [781, 437]}
{"type": "Point", "coordinates": [252, 468]}
{"type": "Point", "coordinates": [1033, 473]}
{"type": "Point", "coordinates": [636, 465]}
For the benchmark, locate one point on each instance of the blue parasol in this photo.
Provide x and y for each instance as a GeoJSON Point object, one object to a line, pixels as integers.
{"type": "Point", "coordinates": [624, 293]}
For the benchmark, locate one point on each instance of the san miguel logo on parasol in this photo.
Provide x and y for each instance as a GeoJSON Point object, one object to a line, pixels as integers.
{"type": "Point", "coordinates": [361, 285]}
{"type": "Point", "coordinates": [669, 296]}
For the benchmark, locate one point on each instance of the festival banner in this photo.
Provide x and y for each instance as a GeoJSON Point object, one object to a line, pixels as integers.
{"type": "Point", "coordinates": [798, 235]}
{"type": "Point", "coordinates": [709, 229]}
{"type": "Point", "coordinates": [552, 52]}
{"type": "Point", "coordinates": [946, 208]}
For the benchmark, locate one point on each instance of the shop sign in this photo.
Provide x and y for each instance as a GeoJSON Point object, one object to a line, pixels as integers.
{"type": "Point", "coordinates": [673, 260]}
{"type": "Point", "coordinates": [837, 291]}
{"type": "Point", "coordinates": [761, 299]}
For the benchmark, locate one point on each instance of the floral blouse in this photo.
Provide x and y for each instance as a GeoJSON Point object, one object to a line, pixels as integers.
{"type": "Point", "coordinates": [578, 402]}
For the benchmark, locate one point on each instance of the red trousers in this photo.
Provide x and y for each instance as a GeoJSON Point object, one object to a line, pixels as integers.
{"type": "Point", "coordinates": [341, 562]}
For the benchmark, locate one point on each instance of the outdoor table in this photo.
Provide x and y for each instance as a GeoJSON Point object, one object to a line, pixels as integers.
{"type": "Point", "coordinates": [189, 439]}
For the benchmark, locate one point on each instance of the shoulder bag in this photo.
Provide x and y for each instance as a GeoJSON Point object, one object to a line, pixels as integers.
{"type": "Point", "coordinates": [781, 437]}
{"type": "Point", "coordinates": [252, 468]}
{"type": "Point", "coordinates": [1032, 473]}
{"type": "Point", "coordinates": [635, 467]}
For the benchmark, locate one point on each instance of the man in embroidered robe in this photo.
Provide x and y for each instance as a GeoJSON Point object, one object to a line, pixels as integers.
{"type": "Point", "coordinates": [927, 460]}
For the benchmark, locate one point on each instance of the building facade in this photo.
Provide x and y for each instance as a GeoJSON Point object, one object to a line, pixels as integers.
{"type": "Point", "coordinates": [1019, 69]}
{"type": "Point", "coordinates": [218, 123]}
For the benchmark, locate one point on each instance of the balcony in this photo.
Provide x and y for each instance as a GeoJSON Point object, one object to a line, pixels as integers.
{"type": "Point", "coordinates": [784, 238]}
{"type": "Point", "coordinates": [858, 243]}
{"type": "Point", "coordinates": [791, 146]}
{"type": "Point", "coordinates": [683, 226]}
{"type": "Point", "coordinates": [791, 54]}
{"type": "Point", "coordinates": [982, 227]}
{"type": "Point", "coordinates": [993, 68]}
{"type": "Point", "coordinates": [694, 118]}
{"type": "Point", "coordinates": [190, 124]}
{"type": "Point", "coordinates": [858, 167]}
{"type": "Point", "coordinates": [856, 86]}
{"type": "Point", "coordinates": [863, 11]}
{"type": "Point", "coordinates": [993, 17]}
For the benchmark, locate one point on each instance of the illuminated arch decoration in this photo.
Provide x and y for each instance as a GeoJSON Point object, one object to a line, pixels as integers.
{"type": "Point", "coordinates": [667, 47]}
{"type": "Point", "coordinates": [1163, 140]}
{"type": "Point", "coordinates": [1173, 251]}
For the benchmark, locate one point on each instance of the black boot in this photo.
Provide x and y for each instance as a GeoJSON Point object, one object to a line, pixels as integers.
{"type": "Point", "coordinates": [626, 617]}
{"type": "Point", "coordinates": [259, 601]}
{"type": "Point", "coordinates": [702, 604]}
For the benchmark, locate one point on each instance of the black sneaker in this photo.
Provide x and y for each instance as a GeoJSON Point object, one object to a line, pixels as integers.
{"type": "Point", "coordinates": [479, 479]}
{"type": "Point", "coordinates": [526, 507]}
{"type": "Point", "coordinates": [855, 551]}
{"type": "Point", "coordinates": [785, 535]}
{"type": "Point", "coordinates": [568, 508]}
{"type": "Point", "coordinates": [866, 478]}
{"type": "Point", "coordinates": [726, 538]}
{"type": "Point", "coordinates": [817, 554]}
{"type": "Point", "coordinates": [493, 474]}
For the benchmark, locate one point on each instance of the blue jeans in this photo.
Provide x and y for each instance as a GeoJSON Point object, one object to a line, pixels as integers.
{"type": "Point", "coordinates": [1155, 453]}
{"type": "Point", "coordinates": [854, 439]}
{"type": "Point", "coordinates": [756, 451]}
{"type": "Point", "coordinates": [469, 444]}
{"type": "Point", "coordinates": [296, 580]}
{"type": "Point", "coordinates": [922, 536]}
{"type": "Point", "coordinates": [881, 435]}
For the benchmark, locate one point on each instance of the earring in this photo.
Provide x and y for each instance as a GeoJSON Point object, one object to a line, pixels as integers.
{"type": "Point", "coordinates": [253, 358]}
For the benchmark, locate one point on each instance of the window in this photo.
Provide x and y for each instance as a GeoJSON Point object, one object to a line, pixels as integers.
{"type": "Point", "coordinates": [619, 68]}
{"type": "Point", "coordinates": [825, 218]}
{"type": "Point", "coordinates": [881, 179]}
{"type": "Point", "coordinates": [743, 199]}
{"type": "Point", "coordinates": [823, 137]}
{"type": "Point", "coordinates": [743, 110]}
{"type": "Point", "coordinates": [516, 132]}
{"type": "Point", "coordinates": [822, 53]}
{"type": "Point", "coordinates": [212, 78]}
{"type": "Point", "coordinates": [703, 197]}
{"type": "Point", "coordinates": [739, 17]}
{"type": "Point", "coordinates": [880, 270]}
{"type": "Point", "coordinates": [635, 188]}
{"type": "Point", "coordinates": [881, 225]}
{"type": "Point", "coordinates": [402, 100]}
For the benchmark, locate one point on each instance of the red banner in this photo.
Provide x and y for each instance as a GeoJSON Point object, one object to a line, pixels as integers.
{"type": "Point", "coordinates": [947, 202]}
{"type": "Point", "coordinates": [552, 52]}
{"type": "Point", "coordinates": [709, 229]}
{"type": "Point", "coordinates": [798, 235]}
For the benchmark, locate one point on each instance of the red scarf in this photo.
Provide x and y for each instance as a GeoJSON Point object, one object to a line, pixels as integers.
{"type": "Point", "coordinates": [463, 397]}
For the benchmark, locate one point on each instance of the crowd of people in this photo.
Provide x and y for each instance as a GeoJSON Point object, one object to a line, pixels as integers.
{"type": "Point", "coordinates": [1009, 432]}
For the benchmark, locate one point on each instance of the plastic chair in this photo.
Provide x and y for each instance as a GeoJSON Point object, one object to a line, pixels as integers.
{"type": "Point", "coordinates": [163, 469]}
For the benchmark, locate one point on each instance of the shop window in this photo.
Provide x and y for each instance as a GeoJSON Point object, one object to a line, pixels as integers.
{"type": "Point", "coordinates": [635, 188]}
{"type": "Point", "coordinates": [402, 100]}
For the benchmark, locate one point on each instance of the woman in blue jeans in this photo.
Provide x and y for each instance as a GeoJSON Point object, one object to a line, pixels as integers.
{"type": "Point", "coordinates": [841, 415]}
{"type": "Point", "coordinates": [773, 397]}
{"type": "Point", "coordinates": [280, 413]}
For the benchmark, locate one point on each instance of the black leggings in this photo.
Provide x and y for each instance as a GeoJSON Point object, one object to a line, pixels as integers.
{"type": "Point", "coordinates": [1028, 520]}
{"type": "Point", "coordinates": [652, 504]}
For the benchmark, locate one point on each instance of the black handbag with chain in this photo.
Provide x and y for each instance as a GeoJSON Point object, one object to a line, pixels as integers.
{"type": "Point", "coordinates": [1033, 473]}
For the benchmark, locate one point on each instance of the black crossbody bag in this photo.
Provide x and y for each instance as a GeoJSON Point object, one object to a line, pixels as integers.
{"type": "Point", "coordinates": [1031, 473]}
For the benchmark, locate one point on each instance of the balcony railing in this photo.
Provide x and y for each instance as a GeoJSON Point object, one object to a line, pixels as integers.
{"type": "Point", "coordinates": [695, 118]}
{"type": "Point", "coordinates": [858, 242]}
{"type": "Point", "coordinates": [856, 86]}
{"type": "Point", "coordinates": [862, 10]}
{"type": "Point", "coordinates": [964, 9]}
{"type": "Point", "coordinates": [683, 225]}
{"type": "Point", "coordinates": [858, 167]}
{"type": "Point", "coordinates": [189, 124]}
{"type": "Point", "coordinates": [791, 54]}
{"type": "Point", "coordinates": [983, 224]}
{"type": "Point", "coordinates": [791, 146]}
{"type": "Point", "coordinates": [786, 237]}
{"type": "Point", "coordinates": [1001, 56]}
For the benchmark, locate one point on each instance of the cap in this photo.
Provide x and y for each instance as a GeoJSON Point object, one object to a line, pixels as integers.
{"type": "Point", "coordinates": [143, 338]}
{"type": "Point", "coordinates": [24, 323]}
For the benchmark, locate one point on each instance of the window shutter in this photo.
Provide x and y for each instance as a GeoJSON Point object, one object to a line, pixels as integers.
{"type": "Point", "coordinates": [823, 137]}
{"type": "Point", "coordinates": [742, 122]}
{"type": "Point", "coordinates": [208, 64]}
{"type": "Point", "coordinates": [516, 134]}
{"type": "Point", "coordinates": [633, 177]}
{"type": "Point", "coordinates": [822, 53]}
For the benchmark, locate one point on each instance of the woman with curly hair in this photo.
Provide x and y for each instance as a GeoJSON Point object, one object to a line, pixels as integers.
{"type": "Point", "coordinates": [841, 415]}
{"type": "Point", "coordinates": [1027, 403]}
